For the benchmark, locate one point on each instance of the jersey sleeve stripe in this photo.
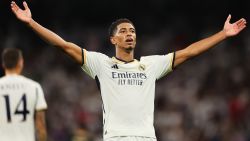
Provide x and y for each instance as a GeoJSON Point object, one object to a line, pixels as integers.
{"type": "Point", "coordinates": [36, 98]}
{"type": "Point", "coordinates": [83, 57]}
{"type": "Point", "coordinates": [173, 60]}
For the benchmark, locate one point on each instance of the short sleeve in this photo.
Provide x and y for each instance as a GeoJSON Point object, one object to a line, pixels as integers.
{"type": "Point", "coordinates": [163, 64]}
{"type": "Point", "coordinates": [92, 62]}
{"type": "Point", "coordinates": [41, 103]}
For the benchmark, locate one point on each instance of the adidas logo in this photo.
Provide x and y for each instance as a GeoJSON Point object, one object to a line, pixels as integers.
{"type": "Point", "coordinates": [115, 66]}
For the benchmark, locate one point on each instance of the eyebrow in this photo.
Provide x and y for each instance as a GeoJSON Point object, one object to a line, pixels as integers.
{"type": "Point", "coordinates": [129, 29]}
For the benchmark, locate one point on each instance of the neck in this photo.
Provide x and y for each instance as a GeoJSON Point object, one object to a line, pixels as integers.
{"type": "Point", "coordinates": [125, 54]}
{"type": "Point", "coordinates": [12, 72]}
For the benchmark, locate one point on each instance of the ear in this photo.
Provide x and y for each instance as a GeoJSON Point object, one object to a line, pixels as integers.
{"type": "Point", "coordinates": [113, 40]}
{"type": "Point", "coordinates": [20, 63]}
{"type": "Point", "coordinates": [20, 66]}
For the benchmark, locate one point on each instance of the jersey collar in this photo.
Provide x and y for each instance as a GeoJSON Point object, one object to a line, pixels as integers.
{"type": "Point", "coordinates": [120, 61]}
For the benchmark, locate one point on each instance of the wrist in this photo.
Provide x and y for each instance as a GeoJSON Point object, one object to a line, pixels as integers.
{"type": "Point", "coordinates": [30, 22]}
{"type": "Point", "coordinates": [223, 34]}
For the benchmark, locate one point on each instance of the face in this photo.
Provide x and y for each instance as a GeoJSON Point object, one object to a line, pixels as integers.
{"type": "Point", "coordinates": [125, 36]}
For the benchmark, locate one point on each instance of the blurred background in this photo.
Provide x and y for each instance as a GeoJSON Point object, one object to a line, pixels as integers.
{"type": "Point", "coordinates": [205, 99]}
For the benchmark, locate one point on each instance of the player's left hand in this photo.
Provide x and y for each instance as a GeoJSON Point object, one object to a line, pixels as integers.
{"type": "Point", "coordinates": [234, 28]}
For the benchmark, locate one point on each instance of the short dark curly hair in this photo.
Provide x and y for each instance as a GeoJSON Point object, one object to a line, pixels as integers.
{"type": "Point", "coordinates": [10, 57]}
{"type": "Point", "coordinates": [113, 26]}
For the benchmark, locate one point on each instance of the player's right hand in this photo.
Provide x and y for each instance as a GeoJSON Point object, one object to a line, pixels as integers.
{"type": "Point", "coordinates": [23, 15]}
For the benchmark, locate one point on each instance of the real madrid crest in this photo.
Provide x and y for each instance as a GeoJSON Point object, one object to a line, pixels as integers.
{"type": "Point", "coordinates": [142, 67]}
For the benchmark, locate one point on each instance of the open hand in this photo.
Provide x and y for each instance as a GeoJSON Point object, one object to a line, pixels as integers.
{"type": "Point", "coordinates": [23, 15]}
{"type": "Point", "coordinates": [234, 28]}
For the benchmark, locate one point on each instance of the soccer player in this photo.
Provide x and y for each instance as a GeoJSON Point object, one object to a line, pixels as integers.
{"type": "Point", "coordinates": [22, 102]}
{"type": "Point", "coordinates": [127, 85]}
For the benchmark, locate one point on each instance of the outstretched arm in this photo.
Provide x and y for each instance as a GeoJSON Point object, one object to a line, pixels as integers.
{"type": "Point", "coordinates": [207, 43]}
{"type": "Point", "coordinates": [69, 48]}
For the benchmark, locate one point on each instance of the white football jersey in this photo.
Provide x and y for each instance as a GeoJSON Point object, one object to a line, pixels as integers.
{"type": "Point", "coordinates": [127, 90]}
{"type": "Point", "coordinates": [20, 97]}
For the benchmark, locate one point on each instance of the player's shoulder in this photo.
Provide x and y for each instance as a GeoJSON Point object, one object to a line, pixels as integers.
{"type": "Point", "coordinates": [154, 57]}
{"type": "Point", "coordinates": [96, 55]}
{"type": "Point", "coordinates": [28, 81]}
{"type": "Point", "coordinates": [149, 58]}
{"type": "Point", "coordinates": [2, 79]}
{"type": "Point", "coordinates": [18, 78]}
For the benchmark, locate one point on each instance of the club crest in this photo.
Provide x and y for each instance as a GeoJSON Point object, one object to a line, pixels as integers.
{"type": "Point", "coordinates": [142, 67]}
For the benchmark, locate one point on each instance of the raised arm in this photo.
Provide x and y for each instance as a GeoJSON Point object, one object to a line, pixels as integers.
{"type": "Point", "coordinates": [50, 37]}
{"type": "Point", "coordinates": [207, 43]}
{"type": "Point", "coordinates": [40, 125]}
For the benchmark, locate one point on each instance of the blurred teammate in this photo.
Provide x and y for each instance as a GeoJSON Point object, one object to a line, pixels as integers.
{"type": "Point", "coordinates": [127, 85]}
{"type": "Point", "coordinates": [22, 102]}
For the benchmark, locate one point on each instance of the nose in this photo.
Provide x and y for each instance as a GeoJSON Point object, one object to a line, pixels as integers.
{"type": "Point", "coordinates": [129, 33]}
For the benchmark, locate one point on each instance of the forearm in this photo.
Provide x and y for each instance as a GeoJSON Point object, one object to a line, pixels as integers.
{"type": "Point", "coordinates": [41, 131]}
{"type": "Point", "coordinates": [42, 135]}
{"type": "Point", "coordinates": [205, 44]}
{"type": "Point", "coordinates": [198, 47]}
{"type": "Point", "coordinates": [47, 35]}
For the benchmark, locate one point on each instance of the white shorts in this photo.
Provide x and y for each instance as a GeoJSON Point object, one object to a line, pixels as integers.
{"type": "Point", "coordinates": [130, 138]}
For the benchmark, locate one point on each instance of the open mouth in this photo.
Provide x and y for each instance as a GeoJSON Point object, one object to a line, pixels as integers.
{"type": "Point", "coordinates": [129, 40]}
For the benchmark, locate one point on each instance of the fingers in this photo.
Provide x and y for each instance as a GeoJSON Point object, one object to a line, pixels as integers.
{"type": "Point", "coordinates": [242, 27]}
{"type": "Point", "coordinates": [241, 22]}
{"type": "Point", "coordinates": [25, 5]}
{"type": "Point", "coordinates": [228, 18]}
{"type": "Point", "coordinates": [14, 6]}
